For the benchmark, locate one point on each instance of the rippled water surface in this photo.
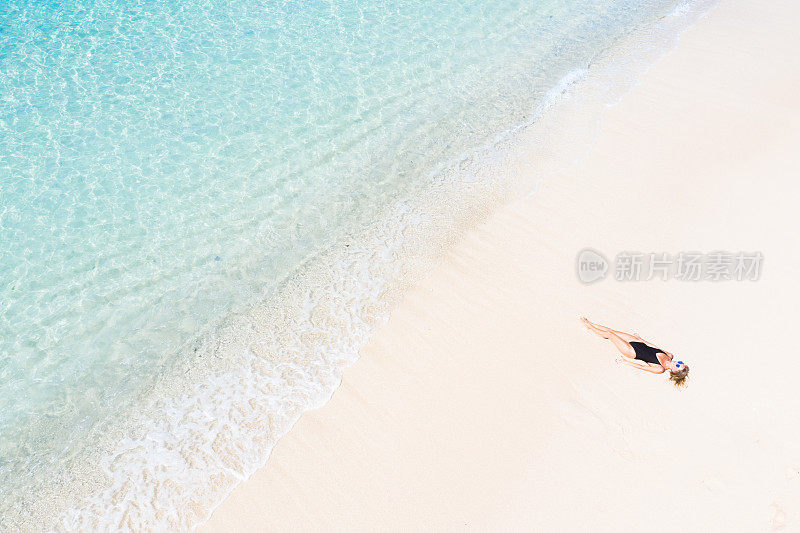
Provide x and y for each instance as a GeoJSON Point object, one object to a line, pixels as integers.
{"type": "Point", "coordinates": [166, 164]}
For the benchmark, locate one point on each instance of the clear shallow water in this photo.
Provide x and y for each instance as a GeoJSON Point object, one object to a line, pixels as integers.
{"type": "Point", "coordinates": [163, 167]}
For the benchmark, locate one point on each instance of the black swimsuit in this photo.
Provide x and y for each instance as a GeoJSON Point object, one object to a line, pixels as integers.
{"type": "Point", "coordinates": [646, 353]}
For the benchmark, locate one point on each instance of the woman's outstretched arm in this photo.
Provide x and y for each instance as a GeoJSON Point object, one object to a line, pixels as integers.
{"type": "Point", "coordinates": [648, 368]}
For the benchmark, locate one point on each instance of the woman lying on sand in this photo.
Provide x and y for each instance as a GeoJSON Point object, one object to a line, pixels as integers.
{"type": "Point", "coordinates": [636, 348]}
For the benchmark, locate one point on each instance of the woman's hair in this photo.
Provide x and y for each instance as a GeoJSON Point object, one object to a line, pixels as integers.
{"type": "Point", "coordinates": [678, 377]}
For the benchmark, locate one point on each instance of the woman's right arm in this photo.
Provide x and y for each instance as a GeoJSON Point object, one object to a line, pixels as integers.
{"type": "Point", "coordinates": [648, 368]}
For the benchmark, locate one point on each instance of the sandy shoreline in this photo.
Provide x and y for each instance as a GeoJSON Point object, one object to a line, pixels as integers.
{"type": "Point", "coordinates": [483, 403]}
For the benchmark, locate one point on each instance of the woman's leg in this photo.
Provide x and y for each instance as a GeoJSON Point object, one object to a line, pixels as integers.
{"type": "Point", "coordinates": [601, 330]}
{"type": "Point", "coordinates": [622, 343]}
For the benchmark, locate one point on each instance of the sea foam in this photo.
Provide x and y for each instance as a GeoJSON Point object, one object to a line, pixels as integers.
{"type": "Point", "coordinates": [293, 297]}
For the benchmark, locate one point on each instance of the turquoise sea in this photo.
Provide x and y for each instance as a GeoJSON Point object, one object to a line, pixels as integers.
{"type": "Point", "coordinates": [201, 208]}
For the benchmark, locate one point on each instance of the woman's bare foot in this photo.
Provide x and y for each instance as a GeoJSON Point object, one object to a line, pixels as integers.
{"type": "Point", "coordinates": [594, 328]}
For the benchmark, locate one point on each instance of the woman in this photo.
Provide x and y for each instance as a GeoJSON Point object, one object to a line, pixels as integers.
{"type": "Point", "coordinates": [635, 348]}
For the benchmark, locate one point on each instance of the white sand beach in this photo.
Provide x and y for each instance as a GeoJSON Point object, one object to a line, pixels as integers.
{"type": "Point", "coordinates": [485, 404]}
